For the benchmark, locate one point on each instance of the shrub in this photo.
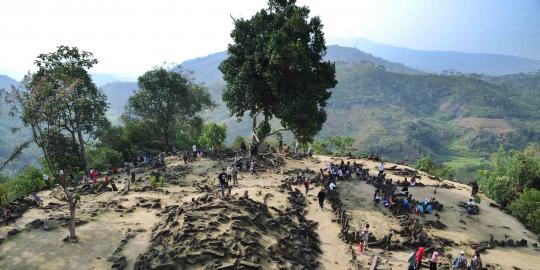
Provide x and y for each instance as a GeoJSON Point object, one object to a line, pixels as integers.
{"type": "Point", "coordinates": [104, 158]}
{"type": "Point", "coordinates": [213, 136]}
{"type": "Point", "coordinates": [527, 208]}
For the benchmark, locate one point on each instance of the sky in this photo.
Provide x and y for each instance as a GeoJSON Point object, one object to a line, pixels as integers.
{"type": "Point", "coordinates": [129, 37]}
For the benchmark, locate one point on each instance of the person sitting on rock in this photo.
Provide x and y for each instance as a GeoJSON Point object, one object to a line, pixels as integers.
{"type": "Point", "coordinates": [413, 180]}
{"type": "Point", "coordinates": [405, 189]}
{"type": "Point", "coordinates": [377, 197]}
{"type": "Point", "coordinates": [406, 205]}
{"type": "Point", "coordinates": [7, 216]}
{"type": "Point", "coordinates": [321, 196]}
{"type": "Point", "coordinates": [37, 199]}
{"type": "Point", "coordinates": [332, 186]}
{"type": "Point", "coordinates": [471, 209]}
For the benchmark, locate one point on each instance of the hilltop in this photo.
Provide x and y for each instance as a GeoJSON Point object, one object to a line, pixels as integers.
{"type": "Point", "coordinates": [441, 61]}
{"type": "Point", "coordinates": [261, 226]}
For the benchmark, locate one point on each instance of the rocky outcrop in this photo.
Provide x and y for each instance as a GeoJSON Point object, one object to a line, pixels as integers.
{"type": "Point", "coordinates": [233, 234]}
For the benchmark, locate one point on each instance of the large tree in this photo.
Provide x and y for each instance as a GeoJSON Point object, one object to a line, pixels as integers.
{"type": "Point", "coordinates": [166, 98]}
{"type": "Point", "coordinates": [61, 98]}
{"type": "Point", "coordinates": [64, 110]}
{"type": "Point", "coordinates": [275, 69]}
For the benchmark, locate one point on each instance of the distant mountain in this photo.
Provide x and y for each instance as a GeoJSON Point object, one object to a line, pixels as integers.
{"type": "Point", "coordinates": [101, 79]}
{"type": "Point", "coordinates": [6, 82]}
{"type": "Point", "coordinates": [402, 113]}
{"type": "Point", "coordinates": [118, 94]}
{"type": "Point", "coordinates": [8, 138]}
{"type": "Point", "coordinates": [439, 61]}
{"type": "Point", "coordinates": [205, 68]}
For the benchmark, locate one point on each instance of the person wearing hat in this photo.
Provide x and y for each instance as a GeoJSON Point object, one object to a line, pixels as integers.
{"type": "Point", "coordinates": [460, 262]}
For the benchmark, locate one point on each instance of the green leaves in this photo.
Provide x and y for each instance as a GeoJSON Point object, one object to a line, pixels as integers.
{"type": "Point", "coordinates": [275, 68]}
{"type": "Point", "coordinates": [527, 208]}
{"type": "Point", "coordinates": [165, 98]}
{"type": "Point", "coordinates": [213, 136]}
{"type": "Point", "coordinates": [63, 103]}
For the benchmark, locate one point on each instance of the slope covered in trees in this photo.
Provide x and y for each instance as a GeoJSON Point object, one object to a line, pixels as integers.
{"type": "Point", "coordinates": [402, 114]}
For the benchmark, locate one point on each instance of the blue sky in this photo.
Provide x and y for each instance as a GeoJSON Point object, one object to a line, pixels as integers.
{"type": "Point", "coordinates": [129, 37]}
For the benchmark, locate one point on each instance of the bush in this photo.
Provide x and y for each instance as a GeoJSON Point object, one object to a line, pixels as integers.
{"type": "Point", "coordinates": [527, 208]}
{"type": "Point", "coordinates": [104, 158]}
{"type": "Point", "coordinates": [426, 164]}
{"type": "Point", "coordinates": [342, 145]}
{"type": "Point", "coordinates": [213, 136]}
{"type": "Point", "coordinates": [321, 148]}
{"type": "Point", "coordinates": [29, 180]}
{"type": "Point", "coordinates": [237, 142]}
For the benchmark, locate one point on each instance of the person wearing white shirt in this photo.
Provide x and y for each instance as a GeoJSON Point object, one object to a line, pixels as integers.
{"type": "Point", "coordinates": [381, 168]}
{"type": "Point", "coordinates": [332, 186]}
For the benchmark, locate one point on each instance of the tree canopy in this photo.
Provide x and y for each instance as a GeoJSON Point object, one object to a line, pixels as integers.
{"type": "Point", "coordinates": [62, 105]}
{"type": "Point", "coordinates": [213, 135]}
{"type": "Point", "coordinates": [275, 69]}
{"type": "Point", "coordinates": [166, 98]}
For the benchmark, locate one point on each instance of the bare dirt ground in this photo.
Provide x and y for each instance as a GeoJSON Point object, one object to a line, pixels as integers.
{"type": "Point", "coordinates": [107, 224]}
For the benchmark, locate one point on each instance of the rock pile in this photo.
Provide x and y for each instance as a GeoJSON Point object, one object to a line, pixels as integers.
{"type": "Point", "coordinates": [232, 234]}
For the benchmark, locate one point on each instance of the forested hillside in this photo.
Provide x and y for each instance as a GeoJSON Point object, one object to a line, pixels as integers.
{"type": "Point", "coordinates": [403, 114]}
{"type": "Point", "coordinates": [390, 109]}
{"type": "Point", "coordinates": [12, 133]}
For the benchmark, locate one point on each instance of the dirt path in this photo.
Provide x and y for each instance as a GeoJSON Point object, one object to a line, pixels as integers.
{"type": "Point", "coordinates": [336, 254]}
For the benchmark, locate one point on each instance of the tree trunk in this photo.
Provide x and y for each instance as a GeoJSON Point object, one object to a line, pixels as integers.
{"type": "Point", "coordinates": [166, 135]}
{"type": "Point", "coordinates": [72, 235]}
{"type": "Point", "coordinates": [82, 151]}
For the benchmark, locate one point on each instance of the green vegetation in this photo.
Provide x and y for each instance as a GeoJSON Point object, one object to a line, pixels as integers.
{"type": "Point", "coordinates": [527, 208]}
{"type": "Point", "coordinates": [342, 145]}
{"type": "Point", "coordinates": [213, 136]}
{"type": "Point", "coordinates": [27, 181]}
{"type": "Point", "coordinates": [104, 158]}
{"type": "Point", "coordinates": [279, 72]}
{"type": "Point", "coordinates": [63, 107]}
{"type": "Point", "coordinates": [514, 181]}
{"type": "Point", "coordinates": [427, 164]}
{"type": "Point", "coordinates": [165, 101]}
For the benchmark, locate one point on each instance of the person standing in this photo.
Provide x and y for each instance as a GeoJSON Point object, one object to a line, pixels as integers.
{"type": "Point", "coordinates": [476, 262]}
{"type": "Point", "coordinates": [412, 260]}
{"type": "Point", "coordinates": [460, 262]}
{"type": "Point", "coordinates": [194, 148]}
{"type": "Point", "coordinates": [419, 256]}
{"type": "Point", "coordinates": [381, 168]}
{"type": "Point", "coordinates": [306, 185]}
{"type": "Point", "coordinates": [234, 175]}
{"type": "Point", "coordinates": [222, 177]}
{"type": "Point", "coordinates": [364, 238]}
{"type": "Point", "coordinates": [321, 196]}
{"type": "Point", "coordinates": [434, 261]}
{"type": "Point", "coordinates": [253, 170]}
{"type": "Point", "coordinates": [474, 188]}
{"type": "Point", "coordinates": [93, 175]}
{"type": "Point", "coordinates": [229, 173]}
